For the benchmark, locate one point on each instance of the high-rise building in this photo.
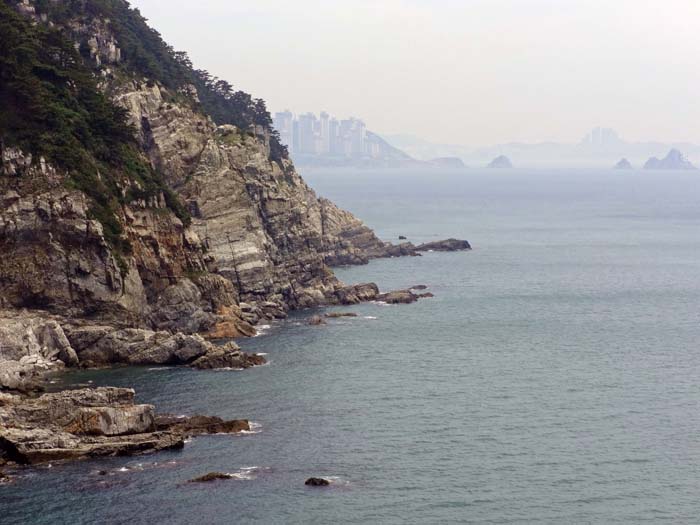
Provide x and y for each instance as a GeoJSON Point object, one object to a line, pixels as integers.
{"type": "Point", "coordinates": [308, 135]}
{"type": "Point", "coordinates": [334, 133]}
{"type": "Point", "coordinates": [307, 139]}
{"type": "Point", "coordinates": [284, 124]}
{"type": "Point", "coordinates": [324, 122]}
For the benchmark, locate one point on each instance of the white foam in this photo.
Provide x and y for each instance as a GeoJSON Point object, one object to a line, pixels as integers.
{"type": "Point", "coordinates": [262, 329]}
{"type": "Point", "coordinates": [371, 317]}
{"type": "Point", "coordinates": [156, 368]}
{"type": "Point", "coordinates": [255, 428]}
{"type": "Point", "coordinates": [245, 473]}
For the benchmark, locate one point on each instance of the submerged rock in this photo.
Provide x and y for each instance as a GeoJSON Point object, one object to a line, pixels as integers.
{"type": "Point", "coordinates": [317, 482]}
{"type": "Point", "coordinates": [316, 320]}
{"type": "Point", "coordinates": [211, 476]}
{"type": "Point", "coordinates": [335, 315]}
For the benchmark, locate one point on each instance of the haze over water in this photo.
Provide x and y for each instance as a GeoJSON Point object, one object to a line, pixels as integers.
{"type": "Point", "coordinates": [552, 379]}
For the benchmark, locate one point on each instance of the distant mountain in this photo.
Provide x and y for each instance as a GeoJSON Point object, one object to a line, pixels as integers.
{"type": "Point", "coordinates": [380, 154]}
{"type": "Point", "coordinates": [500, 162]}
{"type": "Point", "coordinates": [602, 147]}
{"type": "Point", "coordinates": [623, 164]}
{"type": "Point", "coordinates": [675, 160]}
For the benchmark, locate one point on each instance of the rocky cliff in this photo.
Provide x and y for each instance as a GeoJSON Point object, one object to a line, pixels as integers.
{"type": "Point", "coordinates": [145, 209]}
{"type": "Point", "coordinates": [143, 213]}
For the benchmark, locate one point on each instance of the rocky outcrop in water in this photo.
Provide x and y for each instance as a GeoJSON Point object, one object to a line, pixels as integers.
{"type": "Point", "coordinates": [317, 482]}
{"type": "Point", "coordinates": [623, 164]}
{"type": "Point", "coordinates": [211, 476]}
{"type": "Point", "coordinates": [35, 343]}
{"type": "Point", "coordinates": [500, 162]}
{"type": "Point", "coordinates": [90, 423]}
{"type": "Point", "coordinates": [448, 245]}
{"type": "Point", "coordinates": [675, 160]}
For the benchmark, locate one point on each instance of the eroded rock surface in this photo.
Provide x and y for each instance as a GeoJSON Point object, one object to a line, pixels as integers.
{"type": "Point", "coordinates": [92, 422]}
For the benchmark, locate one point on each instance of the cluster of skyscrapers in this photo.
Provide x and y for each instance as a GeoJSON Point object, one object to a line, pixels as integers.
{"type": "Point", "coordinates": [602, 137]}
{"type": "Point", "coordinates": [307, 134]}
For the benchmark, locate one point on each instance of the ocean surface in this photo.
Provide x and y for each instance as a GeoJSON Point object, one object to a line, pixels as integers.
{"type": "Point", "coordinates": [553, 378]}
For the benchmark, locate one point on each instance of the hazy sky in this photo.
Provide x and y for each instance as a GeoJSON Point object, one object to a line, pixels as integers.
{"type": "Point", "coordinates": [472, 72]}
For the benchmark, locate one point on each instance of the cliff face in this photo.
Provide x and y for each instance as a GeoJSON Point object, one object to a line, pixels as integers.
{"type": "Point", "coordinates": [265, 228]}
{"type": "Point", "coordinates": [258, 236]}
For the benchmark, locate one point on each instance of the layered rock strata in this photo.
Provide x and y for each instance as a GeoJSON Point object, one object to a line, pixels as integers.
{"type": "Point", "coordinates": [34, 343]}
{"type": "Point", "coordinates": [97, 422]}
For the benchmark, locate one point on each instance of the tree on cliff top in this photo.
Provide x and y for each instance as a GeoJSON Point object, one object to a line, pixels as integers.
{"type": "Point", "coordinates": [146, 53]}
{"type": "Point", "coordinates": [50, 106]}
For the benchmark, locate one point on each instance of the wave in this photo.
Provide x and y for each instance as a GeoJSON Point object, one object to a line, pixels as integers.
{"type": "Point", "coordinates": [255, 428]}
{"type": "Point", "coordinates": [245, 473]}
{"type": "Point", "coordinates": [262, 329]}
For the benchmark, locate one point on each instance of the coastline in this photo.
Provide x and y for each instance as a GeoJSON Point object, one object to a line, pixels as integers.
{"type": "Point", "coordinates": [88, 423]}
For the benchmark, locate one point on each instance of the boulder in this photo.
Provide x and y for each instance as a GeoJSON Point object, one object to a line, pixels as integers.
{"type": "Point", "coordinates": [357, 293]}
{"type": "Point", "coordinates": [317, 482]}
{"type": "Point", "coordinates": [316, 320]}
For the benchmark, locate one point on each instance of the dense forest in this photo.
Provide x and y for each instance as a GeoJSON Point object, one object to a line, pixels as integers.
{"type": "Point", "coordinates": [50, 105]}
{"type": "Point", "coordinates": [144, 52]}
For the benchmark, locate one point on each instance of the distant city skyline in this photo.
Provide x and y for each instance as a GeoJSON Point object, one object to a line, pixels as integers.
{"type": "Point", "coordinates": [474, 72]}
{"type": "Point", "coordinates": [307, 134]}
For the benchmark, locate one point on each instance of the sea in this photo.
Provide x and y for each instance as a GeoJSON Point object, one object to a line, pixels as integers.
{"type": "Point", "coordinates": [554, 377]}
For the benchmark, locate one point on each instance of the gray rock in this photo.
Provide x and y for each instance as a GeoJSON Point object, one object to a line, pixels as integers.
{"type": "Point", "coordinates": [447, 245]}
{"type": "Point", "coordinates": [674, 160]}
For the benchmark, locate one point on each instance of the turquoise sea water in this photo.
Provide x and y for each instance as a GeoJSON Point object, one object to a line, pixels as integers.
{"type": "Point", "coordinates": [554, 378]}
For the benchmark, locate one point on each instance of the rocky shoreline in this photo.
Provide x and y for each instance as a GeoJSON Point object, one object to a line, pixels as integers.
{"type": "Point", "coordinates": [204, 231]}
{"type": "Point", "coordinates": [89, 423]}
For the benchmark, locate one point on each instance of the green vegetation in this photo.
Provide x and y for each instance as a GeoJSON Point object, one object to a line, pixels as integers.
{"type": "Point", "coordinates": [145, 53]}
{"type": "Point", "coordinates": [50, 105]}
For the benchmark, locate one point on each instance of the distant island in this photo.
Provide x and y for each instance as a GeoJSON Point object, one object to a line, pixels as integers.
{"type": "Point", "coordinates": [623, 164]}
{"type": "Point", "coordinates": [675, 160]}
{"type": "Point", "coordinates": [500, 162]}
{"type": "Point", "coordinates": [600, 148]}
